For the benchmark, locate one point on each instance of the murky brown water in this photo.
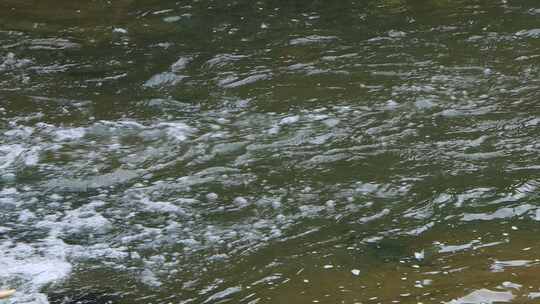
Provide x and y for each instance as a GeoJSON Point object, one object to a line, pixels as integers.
{"type": "Point", "coordinates": [270, 152]}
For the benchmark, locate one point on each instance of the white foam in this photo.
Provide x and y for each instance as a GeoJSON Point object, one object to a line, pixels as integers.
{"type": "Point", "coordinates": [161, 207]}
{"type": "Point", "coordinates": [313, 39]}
{"type": "Point", "coordinates": [484, 296]}
{"type": "Point", "coordinates": [211, 196]}
{"type": "Point", "coordinates": [9, 154]}
{"type": "Point", "coordinates": [230, 83]}
{"type": "Point", "coordinates": [240, 202]}
{"type": "Point", "coordinates": [76, 222]}
{"type": "Point", "coordinates": [289, 120]}
{"type": "Point", "coordinates": [180, 64]}
{"type": "Point", "coordinates": [223, 294]}
{"type": "Point", "coordinates": [177, 130]}
{"type": "Point", "coordinates": [31, 267]}
{"type": "Point", "coordinates": [69, 134]}
{"type": "Point", "coordinates": [164, 79]}
{"type": "Point", "coordinates": [171, 19]}
{"type": "Point", "coordinates": [533, 33]}
{"type": "Point", "coordinates": [149, 278]}
{"type": "Point", "coordinates": [120, 30]}
{"type": "Point", "coordinates": [501, 213]}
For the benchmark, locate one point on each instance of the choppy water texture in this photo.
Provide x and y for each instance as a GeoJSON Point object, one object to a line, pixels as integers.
{"type": "Point", "coordinates": [270, 152]}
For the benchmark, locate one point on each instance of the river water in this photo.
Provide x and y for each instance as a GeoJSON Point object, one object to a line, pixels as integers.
{"type": "Point", "coordinates": [270, 151]}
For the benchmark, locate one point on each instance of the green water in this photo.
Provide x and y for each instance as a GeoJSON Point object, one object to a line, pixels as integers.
{"type": "Point", "coordinates": [270, 151]}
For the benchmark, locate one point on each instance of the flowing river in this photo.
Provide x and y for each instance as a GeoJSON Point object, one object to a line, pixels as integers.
{"type": "Point", "coordinates": [237, 151]}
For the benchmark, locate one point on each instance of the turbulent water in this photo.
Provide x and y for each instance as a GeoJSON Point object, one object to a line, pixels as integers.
{"type": "Point", "coordinates": [270, 152]}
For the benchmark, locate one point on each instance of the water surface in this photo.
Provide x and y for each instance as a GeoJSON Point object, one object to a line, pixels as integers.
{"type": "Point", "coordinates": [270, 152]}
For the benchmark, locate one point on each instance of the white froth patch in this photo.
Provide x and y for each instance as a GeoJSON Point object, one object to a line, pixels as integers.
{"type": "Point", "coordinates": [28, 268]}
{"type": "Point", "coordinates": [211, 196]}
{"type": "Point", "coordinates": [171, 19]}
{"type": "Point", "coordinates": [180, 64]}
{"type": "Point", "coordinates": [164, 79]}
{"type": "Point", "coordinates": [9, 191]}
{"type": "Point", "coordinates": [69, 134]}
{"type": "Point", "coordinates": [8, 198]}
{"type": "Point", "coordinates": [149, 278]}
{"type": "Point", "coordinates": [83, 220]}
{"type": "Point", "coordinates": [26, 215]}
{"type": "Point", "coordinates": [233, 82]}
{"type": "Point", "coordinates": [161, 207]}
{"type": "Point", "coordinates": [16, 154]}
{"type": "Point", "coordinates": [9, 154]}
{"type": "Point", "coordinates": [331, 122]}
{"type": "Point", "coordinates": [120, 30]}
{"type": "Point", "coordinates": [99, 252]}
{"type": "Point", "coordinates": [177, 130]}
{"type": "Point", "coordinates": [274, 130]}
{"type": "Point", "coordinates": [20, 132]}
{"type": "Point", "coordinates": [76, 222]}
{"type": "Point", "coordinates": [240, 202]}
{"type": "Point", "coordinates": [223, 294]}
{"type": "Point", "coordinates": [485, 296]}
{"type": "Point", "coordinates": [289, 120]}
{"type": "Point", "coordinates": [310, 210]}
{"type": "Point", "coordinates": [313, 39]}
{"type": "Point", "coordinates": [375, 216]}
